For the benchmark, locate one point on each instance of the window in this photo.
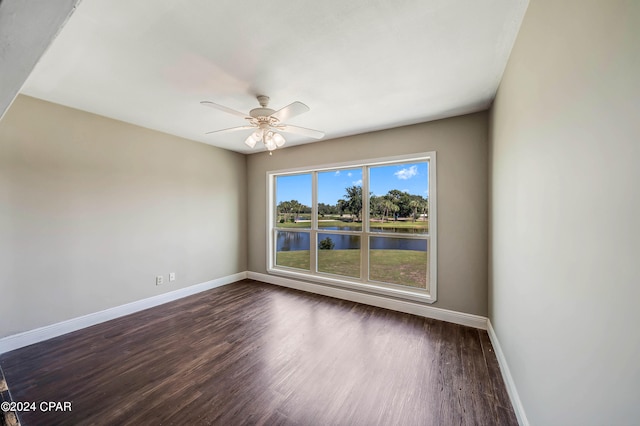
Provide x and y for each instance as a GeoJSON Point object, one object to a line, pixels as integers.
{"type": "Point", "coordinates": [367, 225]}
{"type": "Point", "coordinates": [293, 220]}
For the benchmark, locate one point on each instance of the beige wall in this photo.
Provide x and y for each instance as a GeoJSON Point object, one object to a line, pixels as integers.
{"type": "Point", "coordinates": [92, 209]}
{"type": "Point", "coordinates": [565, 224]}
{"type": "Point", "coordinates": [461, 146]}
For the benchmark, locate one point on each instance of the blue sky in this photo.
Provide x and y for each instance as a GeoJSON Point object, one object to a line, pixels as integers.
{"type": "Point", "coordinates": [331, 185]}
{"type": "Point", "coordinates": [412, 178]}
{"type": "Point", "coordinates": [294, 187]}
{"type": "Point", "coordinates": [409, 177]}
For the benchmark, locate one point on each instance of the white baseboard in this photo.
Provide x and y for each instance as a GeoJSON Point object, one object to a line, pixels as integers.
{"type": "Point", "coordinates": [30, 337]}
{"type": "Point", "coordinates": [374, 300]}
{"type": "Point", "coordinates": [506, 376]}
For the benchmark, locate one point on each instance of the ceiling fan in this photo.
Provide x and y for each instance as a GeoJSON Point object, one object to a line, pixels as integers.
{"type": "Point", "coordinates": [266, 123]}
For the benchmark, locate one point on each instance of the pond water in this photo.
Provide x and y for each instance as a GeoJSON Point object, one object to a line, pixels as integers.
{"type": "Point", "coordinates": [374, 228]}
{"type": "Point", "coordinates": [293, 241]}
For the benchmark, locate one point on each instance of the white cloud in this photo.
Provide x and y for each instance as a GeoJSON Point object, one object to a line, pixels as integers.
{"type": "Point", "coordinates": [337, 173]}
{"type": "Point", "coordinates": [349, 174]}
{"type": "Point", "coordinates": [405, 174]}
{"type": "Point", "coordinates": [357, 182]}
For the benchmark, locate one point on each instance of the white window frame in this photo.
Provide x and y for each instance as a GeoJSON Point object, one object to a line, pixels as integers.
{"type": "Point", "coordinates": [362, 284]}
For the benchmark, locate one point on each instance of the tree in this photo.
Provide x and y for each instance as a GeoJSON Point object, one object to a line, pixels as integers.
{"type": "Point", "coordinates": [289, 207]}
{"type": "Point", "coordinates": [354, 201]}
{"type": "Point", "coordinates": [284, 208]}
{"type": "Point", "coordinates": [388, 207]}
{"type": "Point", "coordinates": [415, 205]}
{"type": "Point", "coordinates": [397, 196]}
{"type": "Point", "coordinates": [296, 206]}
{"type": "Point", "coordinates": [322, 209]}
{"type": "Point", "coordinates": [375, 207]}
{"type": "Point", "coordinates": [424, 207]}
{"type": "Point", "coordinates": [342, 206]}
{"type": "Point", "coordinates": [326, 244]}
{"type": "Point", "coordinates": [326, 209]}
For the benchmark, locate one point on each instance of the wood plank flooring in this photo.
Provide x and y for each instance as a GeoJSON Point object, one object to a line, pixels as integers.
{"type": "Point", "coordinates": [253, 353]}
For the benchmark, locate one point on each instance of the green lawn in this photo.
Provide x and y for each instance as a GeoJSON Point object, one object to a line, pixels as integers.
{"type": "Point", "coordinates": [405, 267]}
{"type": "Point", "coordinates": [420, 225]}
{"type": "Point", "coordinates": [293, 259]}
{"type": "Point", "coordinates": [340, 262]}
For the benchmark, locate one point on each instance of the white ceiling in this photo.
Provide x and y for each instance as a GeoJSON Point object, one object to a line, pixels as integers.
{"type": "Point", "coordinates": [360, 65]}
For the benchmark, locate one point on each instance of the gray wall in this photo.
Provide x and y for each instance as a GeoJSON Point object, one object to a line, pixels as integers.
{"type": "Point", "coordinates": [461, 146]}
{"type": "Point", "coordinates": [92, 209]}
{"type": "Point", "coordinates": [565, 222]}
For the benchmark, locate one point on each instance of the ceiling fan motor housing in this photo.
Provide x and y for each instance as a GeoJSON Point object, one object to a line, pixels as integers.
{"type": "Point", "coordinates": [261, 112]}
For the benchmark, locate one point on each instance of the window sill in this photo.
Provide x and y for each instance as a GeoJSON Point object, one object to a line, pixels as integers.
{"type": "Point", "coordinates": [372, 288]}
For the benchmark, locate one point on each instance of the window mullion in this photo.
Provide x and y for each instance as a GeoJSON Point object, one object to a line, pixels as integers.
{"type": "Point", "coordinates": [364, 241]}
{"type": "Point", "coordinates": [271, 220]}
{"type": "Point", "coordinates": [313, 240]}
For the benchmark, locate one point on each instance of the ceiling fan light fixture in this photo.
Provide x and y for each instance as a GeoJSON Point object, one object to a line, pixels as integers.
{"type": "Point", "coordinates": [257, 135]}
{"type": "Point", "coordinates": [250, 141]}
{"type": "Point", "coordinates": [278, 139]}
{"type": "Point", "coordinates": [269, 143]}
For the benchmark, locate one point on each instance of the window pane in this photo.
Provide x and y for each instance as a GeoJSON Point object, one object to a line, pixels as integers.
{"type": "Point", "coordinates": [292, 249]}
{"type": "Point", "coordinates": [339, 254]}
{"type": "Point", "coordinates": [400, 198]}
{"type": "Point", "coordinates": [293, 201]}
{"type": "Point", "coordinates": [340, 200]}
{"type": "Point", "coordinates": [398, 261]}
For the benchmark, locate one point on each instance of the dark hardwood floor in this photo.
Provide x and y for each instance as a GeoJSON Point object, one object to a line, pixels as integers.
{"type": "Point", "coordinates": [253, 353]}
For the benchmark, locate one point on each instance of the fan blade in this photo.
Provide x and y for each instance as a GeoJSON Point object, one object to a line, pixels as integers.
{"type": "Point", "coordinates": [291, 110]}
{"type": "Point", "coordinates": [231, 129]}
{"type": "Point", "coordinates": [301, 131]}
{"type": "Point", "coordinates": [225, 109]}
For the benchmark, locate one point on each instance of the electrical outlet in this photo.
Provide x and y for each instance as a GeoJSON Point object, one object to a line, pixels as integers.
{"type": "Point", "coordinates": [159, 280]}
{"type": "Point", "coordinates": [172, 276]}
